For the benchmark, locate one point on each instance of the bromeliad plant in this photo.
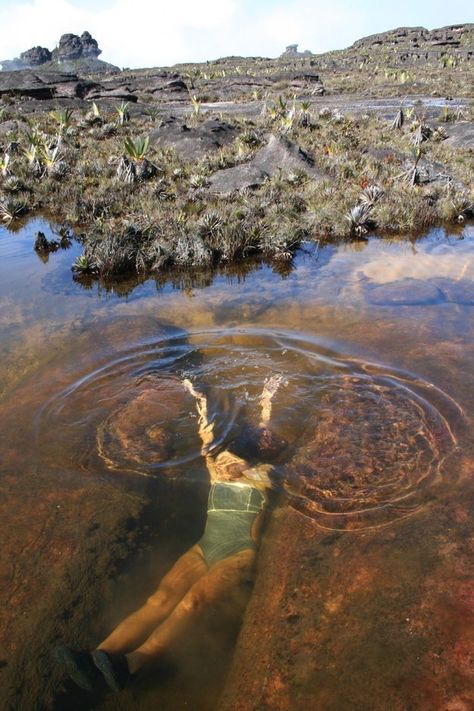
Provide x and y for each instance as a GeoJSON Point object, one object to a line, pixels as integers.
{"type": "Point", "coordinates": [50, 156]}
{"type": "Point", "coordinates": [137, 148]}
{"type": "Point", "coordinates": [135, 166]}
{"type": "Point", "coordinates": [62, 117]}
{"type": "Point", "coordinates": [123, 112]}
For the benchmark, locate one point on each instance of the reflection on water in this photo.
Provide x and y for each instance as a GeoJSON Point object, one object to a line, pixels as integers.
{"type": "Point", "coordinates": [374, 343]}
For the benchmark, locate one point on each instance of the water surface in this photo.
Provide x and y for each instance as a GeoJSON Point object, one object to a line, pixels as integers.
{"type": "Point", "coordinates": [374, 341]}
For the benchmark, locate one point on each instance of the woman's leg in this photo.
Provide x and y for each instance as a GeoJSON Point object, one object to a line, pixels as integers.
{"type": "Point", "coordinates": [225, 582]}
{"type": "Point", "coordinates": [175, 584]}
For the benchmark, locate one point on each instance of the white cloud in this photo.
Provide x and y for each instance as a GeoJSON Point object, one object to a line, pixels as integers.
{"type": "Point", "coordinates": [159, 32]}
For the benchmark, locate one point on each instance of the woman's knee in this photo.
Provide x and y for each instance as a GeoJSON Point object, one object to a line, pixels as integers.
{"type": "Point", "coordinates": [160, 600]}
{"type": "Point", "coordinates": [193, 602]}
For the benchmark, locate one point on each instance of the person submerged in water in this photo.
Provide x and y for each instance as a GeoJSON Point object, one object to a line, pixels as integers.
{"type": "Point", "coordinates": [218, 563]}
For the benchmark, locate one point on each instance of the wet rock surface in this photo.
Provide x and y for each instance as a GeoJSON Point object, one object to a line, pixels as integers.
{"type": "Point", "coordinates": [68, 532]}
{"type": "Point", "coordinates": [404, 292]}
{"type": "Point", "coordinates": [278, 156]}
{"type": "Point", "coordinates": [329, 606]}
{"type": "Point", "coordinates": [137, 435]}
{"type": "Point", "coordinates": [458, 292]}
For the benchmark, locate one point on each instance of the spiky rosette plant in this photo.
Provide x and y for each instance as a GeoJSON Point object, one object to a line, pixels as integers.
{"type": "Point", "coordinates": [134, 165]}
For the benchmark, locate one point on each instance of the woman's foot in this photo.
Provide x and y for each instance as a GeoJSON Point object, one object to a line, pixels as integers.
{"type": "Point", "coordinates": [78, 665]}
{"type": "Point", "coordinates": [113, 666]}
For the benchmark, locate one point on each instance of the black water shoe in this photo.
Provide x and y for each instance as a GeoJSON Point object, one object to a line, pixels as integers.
{"type": "Point", "coordinates": [114, 667]}
{"type": "Point", "coordinates": [78, 665]}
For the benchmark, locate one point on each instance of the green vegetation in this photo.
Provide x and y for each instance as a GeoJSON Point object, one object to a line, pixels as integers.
{"type": "Point", "coordinates": [142, 209]}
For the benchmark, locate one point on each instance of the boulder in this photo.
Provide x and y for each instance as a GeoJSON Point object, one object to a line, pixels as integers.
{"type": "Point", "coordinates": [461, 135]}
{"type": "Point", "coordinates": [279, 154]}
{"type": "Point", "coordinates": [192, 143]}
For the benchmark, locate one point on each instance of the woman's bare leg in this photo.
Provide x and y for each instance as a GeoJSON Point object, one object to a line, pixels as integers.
{"type": "Point", "coordinates": [135, 629]}
{"type": "Point", "coordinates": [223, 582]}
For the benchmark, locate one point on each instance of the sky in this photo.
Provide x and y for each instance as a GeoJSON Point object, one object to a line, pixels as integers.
{"type": "Point", "coordinates": [145, 33]}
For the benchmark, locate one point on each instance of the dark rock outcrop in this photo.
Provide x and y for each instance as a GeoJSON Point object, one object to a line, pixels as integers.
{"type": "Point", "coordinates": [278, 155]}
{"type": "Point", "coordinates": [44, 85]}
{"type": "Point", "coordinates": [90, 47]}
{"type": "Point", "coordinates": [193, 143]}
{"type": "Point", "coordinates": [292, 52]}
{"type": "Point", "coordinates": [72, 51]}
{"type": "Point", "coordinates": [418, 42]}
{"type": "Point", "coordinates": [73, 47]}
{"type": "Point", "coordinates": [452, 35]}
{"type": "Point", "coordinates": [35, 56]}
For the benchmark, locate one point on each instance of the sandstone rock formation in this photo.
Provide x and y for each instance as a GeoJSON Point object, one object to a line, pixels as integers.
{"type": "Point", "coordinates": [44, 85]}
{"type": "Point", "coordinates": [278, 155]}
{"type": "Point", "coordinates": [422, 43]}
{"type": "Point", "coordinates": [35, 56]}
{"type": "Point", "coordinates": [192, 143]}
{"type": "Point", "coordinates": [74, 47]}
{"type": "Point", "coordinates": [292, 51]}
{"type": "Point", "coordinates": [71, 48]}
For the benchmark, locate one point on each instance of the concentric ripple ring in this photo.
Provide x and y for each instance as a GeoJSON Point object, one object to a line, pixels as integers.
{"type": "Point", "coordinates": [366, 442]}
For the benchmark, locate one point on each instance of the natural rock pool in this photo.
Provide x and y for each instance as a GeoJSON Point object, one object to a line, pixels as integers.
{"type": "Point", "coordinates": [364, 596]}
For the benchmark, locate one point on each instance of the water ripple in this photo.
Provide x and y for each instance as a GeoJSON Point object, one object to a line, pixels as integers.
{"type": "Point", "coordinates": [366, 442]}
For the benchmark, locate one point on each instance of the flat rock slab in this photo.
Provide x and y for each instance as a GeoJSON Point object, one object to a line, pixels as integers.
{"type": "Point", "coordinates": [461, 135]}
{"type": "Point", "coordinates": [404, 292]}
{"type": "Point", "coordinates": [279, 154]}
{"type": "Point", "coordinates": [44, 85]}
{"type": "Point", "coordinates": [192, 143]}
{"type": "Point", "coordinates": [378, 620]}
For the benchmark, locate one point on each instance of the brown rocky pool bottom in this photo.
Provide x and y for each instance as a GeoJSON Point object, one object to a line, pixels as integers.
{"type": "Point", "coordinates": [364, 595]}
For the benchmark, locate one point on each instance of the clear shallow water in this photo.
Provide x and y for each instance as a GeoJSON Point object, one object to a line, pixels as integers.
{"type": "Point", "coordinates": [374, 341]}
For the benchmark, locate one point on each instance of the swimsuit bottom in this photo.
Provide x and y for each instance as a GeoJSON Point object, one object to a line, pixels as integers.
{"type": "Point", "coordinates": [232, 510]}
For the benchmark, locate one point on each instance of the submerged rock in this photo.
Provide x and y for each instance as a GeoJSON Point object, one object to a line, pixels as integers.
{"type": "Point", "coordinates": [279, 154]}
{"type": "Point", "coordinates": [137, 435]}
{"type": "Point", "coordinates": [404, 292]}
{"type": "Point", "coordinates": [458, 292]}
